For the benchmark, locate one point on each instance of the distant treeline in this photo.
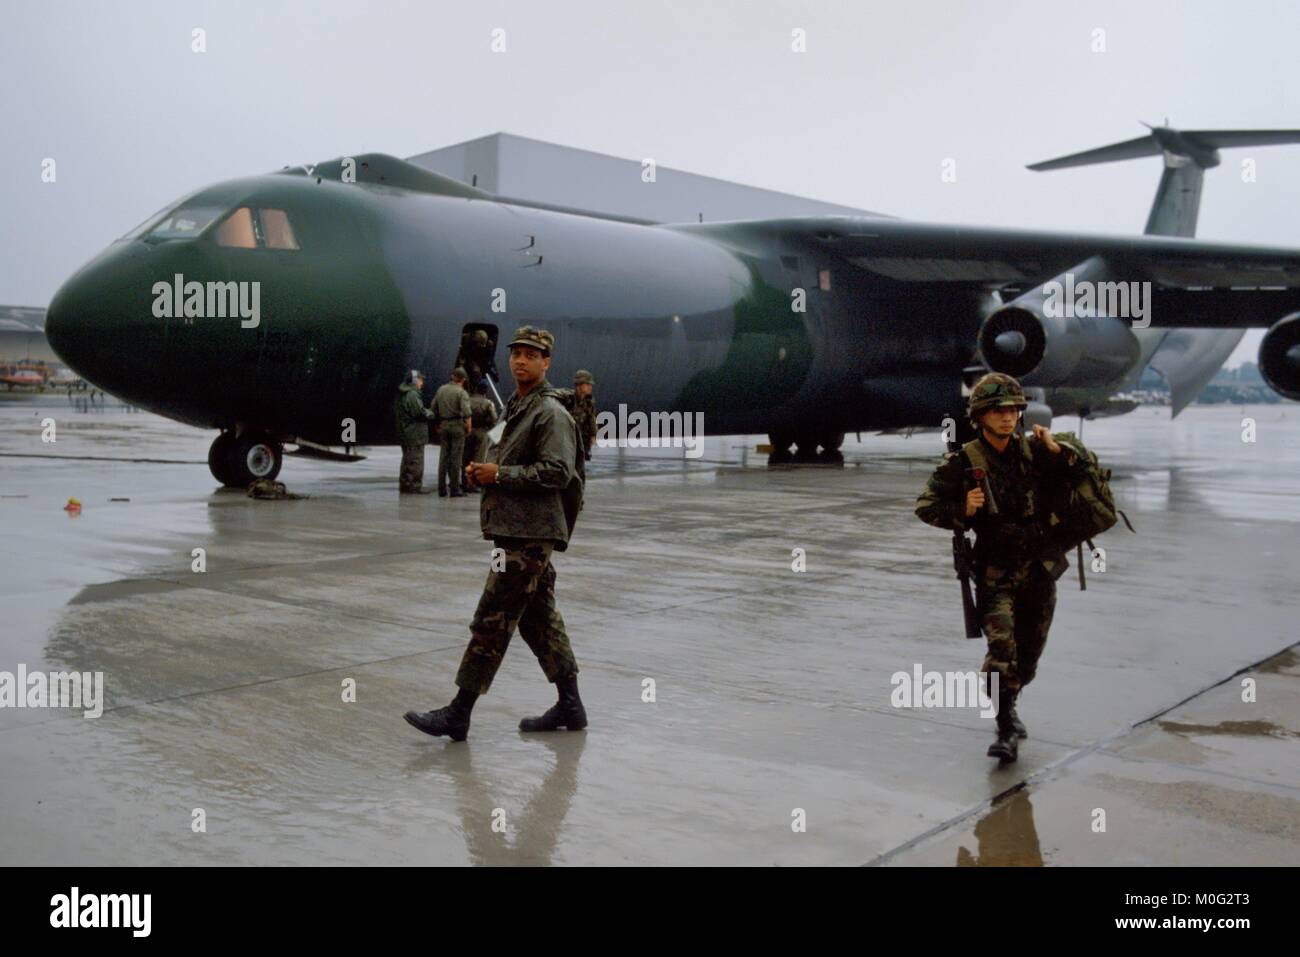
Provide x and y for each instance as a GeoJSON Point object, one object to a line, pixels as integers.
{"type": "Point", "coordinates": [1240, 386]}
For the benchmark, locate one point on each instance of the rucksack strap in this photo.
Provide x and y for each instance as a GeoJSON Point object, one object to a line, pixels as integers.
{"type": "Point", "coordinates": [975, 455]}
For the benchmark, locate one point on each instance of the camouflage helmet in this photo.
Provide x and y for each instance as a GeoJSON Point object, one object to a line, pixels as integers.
{"type": "Point", "coordinates": [583, 376]}
{"type": "Point", "coordinates": [994, 390]}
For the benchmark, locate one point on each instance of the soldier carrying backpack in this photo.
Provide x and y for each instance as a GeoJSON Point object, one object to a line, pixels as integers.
{"type": "Point", "coordinates": [1027, 499]}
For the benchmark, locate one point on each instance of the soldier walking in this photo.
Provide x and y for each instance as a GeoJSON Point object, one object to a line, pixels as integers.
{"type": "Point", "coordinates": [451, 406]}
{"type": "Point", "coordinates": [1016, 562]}
{"type": "Point", "coordinates": [412, 432]}
{"type": "Point", "coordinates": [532, 490]}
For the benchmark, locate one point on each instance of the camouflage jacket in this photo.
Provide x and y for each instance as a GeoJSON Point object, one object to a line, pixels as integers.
{"type": "Point", "coordinates": [540, 480]}
{"type": "Point", "coordinates": [483, 412]}
{"type": "Point", "coordinates": [412, 417]}
{"type": "Point", "coordinates": [1018, 535]}
{"type": "Point", "coordinates": [583, 411]}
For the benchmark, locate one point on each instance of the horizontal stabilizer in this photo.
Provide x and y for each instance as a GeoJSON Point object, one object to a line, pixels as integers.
{"type": "Point", "coordinates": [1200, 146]}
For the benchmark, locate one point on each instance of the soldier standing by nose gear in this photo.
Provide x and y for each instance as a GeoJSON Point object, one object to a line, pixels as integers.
{"type": "Point", "coordinates": [1016, 562]}
{"type": "Point", "coordinates": [413, 433]}
{"type": "Point", "coordinates": [451, 405]}
{"type": "Point", "coordinates": [532, 490]}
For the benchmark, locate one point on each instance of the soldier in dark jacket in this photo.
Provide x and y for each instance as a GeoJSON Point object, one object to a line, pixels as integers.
{"type": "Point", "coordinates": [1016, 562]}
{"type": "Point", "coordinates": [532, 486]}
{"type": "Point", "coordinates": [412, 433]}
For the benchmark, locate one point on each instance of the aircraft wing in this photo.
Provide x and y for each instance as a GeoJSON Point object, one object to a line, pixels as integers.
{"type": "Point", "coordinates": [1195, 283]}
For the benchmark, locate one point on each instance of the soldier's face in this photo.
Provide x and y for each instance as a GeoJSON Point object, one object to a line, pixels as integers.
{"type": "Point", "coordinates": [1000, 420]}
{"type": "Point", "coordinates": [583, 389]}
{"type": "Point", "coordinates": [528, 366]}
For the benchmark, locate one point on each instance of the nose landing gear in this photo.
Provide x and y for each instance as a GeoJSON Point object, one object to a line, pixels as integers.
{"type": "Point", "coordinates": [239, 460]}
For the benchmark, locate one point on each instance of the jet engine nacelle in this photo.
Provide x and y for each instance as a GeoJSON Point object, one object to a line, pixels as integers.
{"type": "Point", "coordinates": [1062, 332]}
{"type": "Point", "coordinates": [1279, 356]}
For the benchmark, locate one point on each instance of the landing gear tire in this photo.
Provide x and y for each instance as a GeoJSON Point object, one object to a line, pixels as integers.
{"type": "Point", "coordinates": [253, 456]}
{"type": "Point", "coordinates": [219, 457]}
{"type": "Point", "coordinates": [805, 449]}
{"type": "Point", "coordinates": [830, 443]}
{"type": "Point", "coordinates": [781, 442]}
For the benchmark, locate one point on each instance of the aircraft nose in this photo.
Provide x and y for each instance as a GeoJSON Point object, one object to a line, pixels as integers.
{"type": "Point", "coordinates": [101, 324]}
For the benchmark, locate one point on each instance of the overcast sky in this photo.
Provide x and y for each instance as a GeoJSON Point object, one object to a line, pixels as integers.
{"type": "Point", "coordinates": [884, 94]}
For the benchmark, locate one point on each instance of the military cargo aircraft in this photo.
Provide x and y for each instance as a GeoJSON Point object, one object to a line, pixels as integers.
{"type": "Point", "coordinates": [285, 308]}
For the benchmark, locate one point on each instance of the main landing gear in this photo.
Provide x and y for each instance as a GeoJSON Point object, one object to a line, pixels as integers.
{"type": "Point", "coordinates": [808, 447]}
{"type": "Point", "coordinates": [239, 460]}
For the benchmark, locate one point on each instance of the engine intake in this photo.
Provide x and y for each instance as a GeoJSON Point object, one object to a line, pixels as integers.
{"type": "Point", "coordinates": [1032, 340]}
{"type": "Point", "coordinates": [1279, 356]}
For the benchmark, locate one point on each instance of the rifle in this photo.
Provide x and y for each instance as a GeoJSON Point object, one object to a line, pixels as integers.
{"type": "Point", "coordinates": [961, 560]}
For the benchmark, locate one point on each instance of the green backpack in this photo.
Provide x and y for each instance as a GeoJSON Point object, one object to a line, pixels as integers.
{"type": "Point", "coordinates": [1078, 510]}
{"type": "Point", "coordinates": [1085, 506]}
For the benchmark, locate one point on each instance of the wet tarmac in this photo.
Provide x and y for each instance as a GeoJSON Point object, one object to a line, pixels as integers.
{"type": "Point", "coordinates": [224, 689]}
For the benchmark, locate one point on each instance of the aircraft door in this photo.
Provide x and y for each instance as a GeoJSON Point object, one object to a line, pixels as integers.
{"type": "Point", "coordinates": [477, 356]}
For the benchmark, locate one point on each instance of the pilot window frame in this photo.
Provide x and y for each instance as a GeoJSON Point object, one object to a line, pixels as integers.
{"type": "Point", "coordinates": [168, 218]}
{"type": "Point", "coordinates": [261, 231]}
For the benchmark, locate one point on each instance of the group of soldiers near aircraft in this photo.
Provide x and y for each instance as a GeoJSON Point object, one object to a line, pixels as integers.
{"type": "Point", "coordinates": [1006, 487]}
{"type": "Point", "coordinates": [461, 415]}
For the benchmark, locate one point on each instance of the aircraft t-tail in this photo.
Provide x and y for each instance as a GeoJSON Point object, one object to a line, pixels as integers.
{"type": "Point", "coordinates": [284, 308]}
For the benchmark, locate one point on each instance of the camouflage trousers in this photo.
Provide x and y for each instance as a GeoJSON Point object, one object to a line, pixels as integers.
{"type": "Point", "coordinates": [523, 595]}
{"type": "Point", "coordinates": [451, 445]}
{"type": "Point", "coordinates": [412, 474]}
{"type": "Point", "coordinates": [1016, 606]}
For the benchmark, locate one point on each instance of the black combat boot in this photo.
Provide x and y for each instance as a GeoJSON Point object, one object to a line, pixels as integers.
{"type": "Point", "coordinates": [568, 712]}
{"type": "Point", "coordinates": [1017, 725]}
{"type": "Point", "coordinates": [452, 720]}
{"type": "Point", "coordinates": [1005, 748]}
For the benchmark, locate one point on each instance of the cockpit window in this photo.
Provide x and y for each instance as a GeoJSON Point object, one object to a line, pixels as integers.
{"type": "Point", "coordinates": [237, 230]}
{"type": "Point", "coordinates": [185, 223]}
{"type": "Point", "coordinates": [275, 228]}
{"type": "Point", "coordinates": [247, 228]}
{"type": "Point", "coordinates": [153, 220]}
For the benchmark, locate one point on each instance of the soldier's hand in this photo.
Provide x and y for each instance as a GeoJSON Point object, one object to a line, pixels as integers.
{"type": "Point", "coordinates": [469, 474]}
{"type": "Point", "coordinates": [974, 501]}
{"type": "Point", "coordinates": [484, 473]}
{"type": "Point", "coordinates": [1043, 435]}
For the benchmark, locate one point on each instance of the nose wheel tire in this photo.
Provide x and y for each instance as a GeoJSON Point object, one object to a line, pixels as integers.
{"type": "Point", "coordinates": [238, 461]}
{"type": "Point", "coordinates": [219, 458]}
{"type": "Point", "coordinates": [254, 456]}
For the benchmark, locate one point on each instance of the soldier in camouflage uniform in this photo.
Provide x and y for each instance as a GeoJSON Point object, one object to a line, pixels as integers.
{"type": "Point", "coordinates": [1016, 562]}
{"type": "Point", "coordinates": [412, 433]}
{"type": "Point", "coordinates": [483, 415]}
{"type": "Point", "coordinates": [582, 406]}
{"type": "Point", "coordinates": [532, 490]}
